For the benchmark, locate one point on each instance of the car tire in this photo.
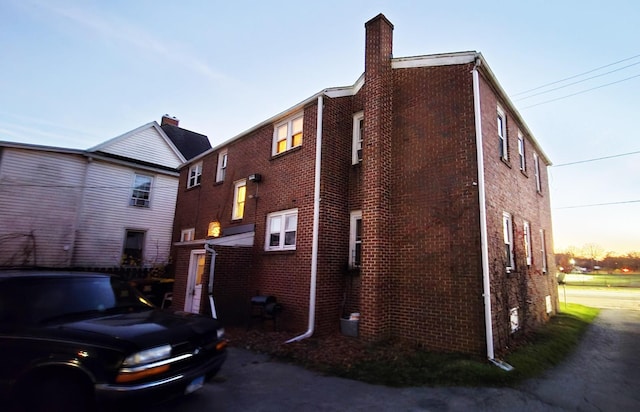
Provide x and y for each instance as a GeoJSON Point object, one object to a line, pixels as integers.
{"type": "Point", "coordinates": [55, 393]}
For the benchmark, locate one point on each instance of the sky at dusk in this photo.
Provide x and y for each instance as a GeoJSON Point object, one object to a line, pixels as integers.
{"type": "Point", "coordinates": [77, 73]}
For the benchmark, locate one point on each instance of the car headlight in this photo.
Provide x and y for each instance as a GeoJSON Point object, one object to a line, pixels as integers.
{"type": "Point", "coordinates": [148, 356]}
{"type": "Point", "coordinates": [220, 333]}
{"type": "Point", "coordinates": [144, 364]}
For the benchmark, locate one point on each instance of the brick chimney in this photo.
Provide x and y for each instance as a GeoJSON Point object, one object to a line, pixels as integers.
{"type": "Point", "coordinates": [170, 120]}
{"type": "Point", "coordinates": [375, 322]}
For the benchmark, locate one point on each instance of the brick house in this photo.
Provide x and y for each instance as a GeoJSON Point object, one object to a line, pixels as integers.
{"type": "Point", "coordinates": [417, 197]}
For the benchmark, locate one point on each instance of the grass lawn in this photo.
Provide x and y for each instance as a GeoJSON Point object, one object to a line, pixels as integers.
{"type": "Point", "coordinates": [547, 348]}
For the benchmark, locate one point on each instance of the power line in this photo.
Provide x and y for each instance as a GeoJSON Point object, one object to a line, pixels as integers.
{"type": "Point", "coordinates": [581, 92]}
{"type": "Point", "coordinates": [577, 82]}
{"type": "Point", "coordinates": [596, 159]}
{"type": "Point", "coordinates": [599, 204]}
{"type": "Point", "coordinates": [577, 75]}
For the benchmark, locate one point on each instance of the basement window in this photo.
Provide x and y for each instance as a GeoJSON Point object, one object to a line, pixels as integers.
{"type": "Point", "coordinates": [514, 320]}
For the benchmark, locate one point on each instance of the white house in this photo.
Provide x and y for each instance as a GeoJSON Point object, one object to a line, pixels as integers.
{"type": "Point", "coordinates": [106, 206]}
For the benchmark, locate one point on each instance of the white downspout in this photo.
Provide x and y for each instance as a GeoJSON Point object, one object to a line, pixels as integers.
{"type": "Point", "coordinates": [486, 293]}
{"type": "Point", "coordinates": [316, 225]}
{"type": "Point", "coordinates": [212, 266]}
{"type": "Point", "coordinates": [484, 244]}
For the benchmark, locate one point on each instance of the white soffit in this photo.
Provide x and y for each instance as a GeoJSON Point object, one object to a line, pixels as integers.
{"type": "Point", "coordinates": [434, 60]}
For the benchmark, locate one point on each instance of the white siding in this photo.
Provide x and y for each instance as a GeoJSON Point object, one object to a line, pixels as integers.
{"type": "Point", "coordinates": [106, 215]}
{"type": "Point", "coordinates": [146, 145]}
{"type": "Point", "coordinates": [40, 193]}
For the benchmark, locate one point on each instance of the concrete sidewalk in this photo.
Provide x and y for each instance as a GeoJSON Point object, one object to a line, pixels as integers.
{"type": "Point", "coordinates": [602, 375]}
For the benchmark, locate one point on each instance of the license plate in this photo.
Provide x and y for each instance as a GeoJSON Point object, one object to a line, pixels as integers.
{"type": "Point", "coordinates": [195, 385]}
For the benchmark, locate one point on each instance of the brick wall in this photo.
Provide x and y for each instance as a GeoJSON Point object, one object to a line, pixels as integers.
{"type": "Point", "coordinates": [435, 254]}
{"type": "Point", "coordinates": [508, 189]}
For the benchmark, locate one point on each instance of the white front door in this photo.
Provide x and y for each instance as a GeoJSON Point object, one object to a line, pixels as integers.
{"type": "Point", "coordinates": [194, 281]}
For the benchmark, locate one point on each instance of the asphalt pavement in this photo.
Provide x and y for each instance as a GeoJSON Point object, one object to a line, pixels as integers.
{"type": "Point", "coordinates": [603, 374]}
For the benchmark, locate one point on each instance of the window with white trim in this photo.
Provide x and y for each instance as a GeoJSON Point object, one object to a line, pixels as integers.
{"type": "Point", "coordinates": [502, 134]}
{"type": "Point", "coordinates": [141, 195]}
{"type": "Point", "coordinates": [288, 134]}
{"type": "Point", "coordinates": [195, 175]}
{"type": "Point", "coordinates": [281, 230]}
{"type": "Point", "coordinates": [239, 198]}
{"type": "Point", "coordinates": [521, 157]}
{"type": "Point", "coordinates": [222, 166]}
{"type": "Point", "coordinates": [514, 319]}
{"type": "Point", "coordinates": [536, 166]}
{"type": "Point", "coordinates": [526, 235]}
{"type": "Point", "coordinates": [507, 229]}
{"type": "Point", "coordinates": [543, 251]}
{"type": "Point", "coordinates": [358, 134]}
{"type": "Point", "coordinates": [132, 251]}
{"type": "Point", "coordinates": [355, 239]}
{"type": "Point", "coordinates": [187, 235]}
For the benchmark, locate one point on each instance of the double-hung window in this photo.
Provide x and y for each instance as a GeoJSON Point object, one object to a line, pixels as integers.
{"type": "Point", "coordinates": [239, 199]}
{"type": "Point", "coordinates": [526, 234]}
{"type": "Point", "coordinates": [141, 191]}
{"type": "Point", "coordinates": [507, 229]}
{"type": "Point", "coordinates": [543, 251]}
{"type": "Point", "coordinates": [195, 175]}
{"type": "Point", "coordinates": [288, 134]}
{"type": "Point", "coordinates": [536, 166]}
{"type": "Point", "coordinates": [132, 251]}
{"type": "Point", "coordinates": [502, 134]}
{"type": "Point", "coordinates": [523, 164]}
{"type": "Point", "coordinates": [281, 230]}
{"type": "Point", "coordinates": [222, 166]}
{"type": "Point", "coordinates": [355, 240]}
{"type": "Point", "coordinates": [358, 133]}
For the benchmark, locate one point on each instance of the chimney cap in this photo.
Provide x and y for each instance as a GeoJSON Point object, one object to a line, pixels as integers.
{"type": "Point", "coordinates": [170, 120]}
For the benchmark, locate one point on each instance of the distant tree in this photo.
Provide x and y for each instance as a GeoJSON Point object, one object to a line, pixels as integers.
{"type": "Point", "coordinates": [593, 252]}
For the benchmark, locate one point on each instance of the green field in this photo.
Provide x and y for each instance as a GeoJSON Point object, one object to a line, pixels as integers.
{"type": "Point", "coordinates": [603, 280]}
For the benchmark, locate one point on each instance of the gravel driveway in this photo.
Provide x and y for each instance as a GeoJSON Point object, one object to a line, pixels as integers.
{"type": "Point", "coordinates": [602, 375]}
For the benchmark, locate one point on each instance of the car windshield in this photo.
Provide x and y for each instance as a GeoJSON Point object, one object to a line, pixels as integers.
{"type": "Point", "coordinates": [42, 299]}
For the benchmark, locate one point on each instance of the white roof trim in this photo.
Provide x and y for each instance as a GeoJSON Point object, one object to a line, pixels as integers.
{"type": "Point", "coordinates": [153, 125]}
{"type": "Point", "coordinates": [446, 59]}
{"type": "Point", "coordinates": [239, 240]}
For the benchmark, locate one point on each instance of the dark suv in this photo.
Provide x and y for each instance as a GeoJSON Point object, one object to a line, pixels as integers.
{"type": "Point", "coordinates": [72, 341]}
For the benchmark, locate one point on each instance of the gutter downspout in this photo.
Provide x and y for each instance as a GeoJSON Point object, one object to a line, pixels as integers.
{"type": "Point", "coordinates": [316, 225]}
{"type": "Point", "coordinates": [212, 266]}
{"type": "Point", "coordinates": [484, 245]}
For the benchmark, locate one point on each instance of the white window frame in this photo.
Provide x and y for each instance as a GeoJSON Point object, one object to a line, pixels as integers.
{"type": "Point", "coordinates": [195, 175]}
{"type": "Point", "coordinates": [536, 165]}
{"type": "Point", "coordinates": [187, 235]}
{"type": "Point", "coordinates": [358, 131]}
{"type": "Point", "coordinates": [514, 319]}
{"type": "Point", "coordinates": [222, 166]}
{"type": "Point", "coordinates": [141, 197]}
{"type": "Point", "coordinates": [239, 199]}
{"type": "Point", "coordinates": [521, 152]}
{"type": "Point", "coordinates": [143, 239]}
{"type": "Point", "coordinates": [526, 235]}
{"type": "Point", "coordinates": [507, 230]}
{"type": "Point", "coordinates": [543, 251]}
{"type": "Point", "coordinates": [354, 240]}
{"type": "Point", "coordinates": [277, 225]}
{"type": "Point", "coordinates": [501, 124]}
{"type": "Point", "coordinates": [289, 133]}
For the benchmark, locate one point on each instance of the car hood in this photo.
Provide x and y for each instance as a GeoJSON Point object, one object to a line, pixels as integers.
{"type": "Point", "coordinates": [144, 329]}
